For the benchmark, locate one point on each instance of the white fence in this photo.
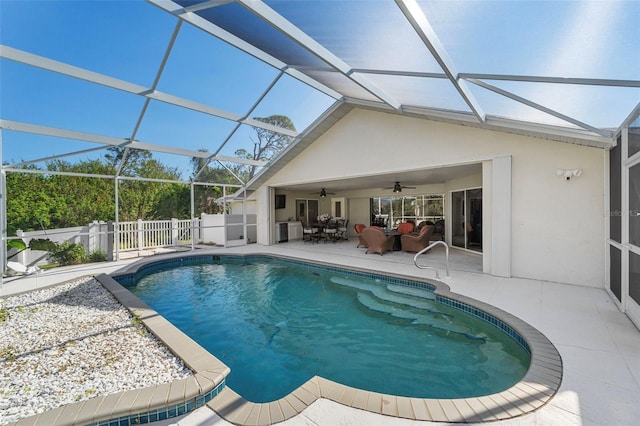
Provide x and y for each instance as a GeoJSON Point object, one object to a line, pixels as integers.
{"type": "Point", "coordinates": [93, 237]}
{"type": "Point", "coordinates": [99, 236]}
{"type": "Point", "coordinates": [148, 234]}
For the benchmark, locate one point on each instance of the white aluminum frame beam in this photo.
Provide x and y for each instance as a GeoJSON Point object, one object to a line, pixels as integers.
{"type": "Point", "coordinates": [3, 217]}
{"type": "Point", "coordinates": [26, 58]}
{"type": "Point", "coordinates": [558, 80]}
{"type": "Point", "coordinates": [235, 129]}
{"type": "Point", "coordinates": [207, 5]}
{"type": "Point", "coordinates": [111, 141]}
{"type": "Point", "coordinates": [505, 77]}
{"type": "Point", "coordinates": [421, 25]}
{"type": "Point", "coordinates": [277, 21]}
{"type": "Point", "coordinates": [197, 21]}
{"type": "Point", "coordinates": [539, 107]}
{"type": "Point", "coordinates": [147, 100]}
{"type": "Point", "coordinates": [100, 176]}
{"type": "Point", "coordinates": [55, 157]}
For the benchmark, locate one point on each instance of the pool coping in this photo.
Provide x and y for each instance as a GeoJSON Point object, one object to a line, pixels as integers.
{"type": "Point", "coordinates": [207, 386]}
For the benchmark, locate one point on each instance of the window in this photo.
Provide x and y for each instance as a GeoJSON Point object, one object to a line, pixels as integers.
{"type": "Point", "coordinates": [390, 211]}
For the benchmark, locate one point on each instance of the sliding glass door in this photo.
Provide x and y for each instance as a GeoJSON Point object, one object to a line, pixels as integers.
{"type": "Point", "coordinates": [307, 211]}
{"type": "Point", "coordinates": [466, 219]}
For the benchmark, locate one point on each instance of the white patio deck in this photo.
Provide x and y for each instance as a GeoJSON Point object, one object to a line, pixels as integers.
{"type": "Point", "coordinates": [599, 345]}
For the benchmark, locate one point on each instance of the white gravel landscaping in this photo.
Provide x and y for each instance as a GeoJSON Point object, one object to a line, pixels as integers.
{"type": "Point", "coordinates": [73, 342]}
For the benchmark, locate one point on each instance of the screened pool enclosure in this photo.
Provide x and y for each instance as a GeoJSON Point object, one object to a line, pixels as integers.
{"type": "Point", "coordinates": [224, 93]}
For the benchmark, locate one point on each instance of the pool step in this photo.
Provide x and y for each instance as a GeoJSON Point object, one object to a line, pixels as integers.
{"type": "Point", "coordinates": [414, 298]}
{"type": "Point", "coordinates": [438, 323]}
{"type": "Point", "coordinates": [415, 305]}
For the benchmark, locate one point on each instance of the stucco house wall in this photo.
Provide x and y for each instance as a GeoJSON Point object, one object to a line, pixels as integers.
{"type": "Point", "coordinates": [557, 226]}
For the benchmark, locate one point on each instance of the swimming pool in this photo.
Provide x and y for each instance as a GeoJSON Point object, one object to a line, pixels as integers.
{"type": "Point", "coordinates": [278, 322]}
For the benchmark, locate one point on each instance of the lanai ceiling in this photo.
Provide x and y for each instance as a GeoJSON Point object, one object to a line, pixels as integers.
{"type": "Point", "coordinates": [194, 74]}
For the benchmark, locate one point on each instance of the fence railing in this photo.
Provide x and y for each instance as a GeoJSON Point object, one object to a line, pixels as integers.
{"type": "Point", "coordinates": [101, 236]}
{"type": "Point", "coordinates": [148, 234]}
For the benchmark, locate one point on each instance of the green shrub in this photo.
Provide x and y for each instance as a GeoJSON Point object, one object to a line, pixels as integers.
{"type": "Point", "coordinates": [4, 314]}
{"type": "Point", "coordinates": [68, 253]}
{"type": "Point", "coordinates": [98, 256]}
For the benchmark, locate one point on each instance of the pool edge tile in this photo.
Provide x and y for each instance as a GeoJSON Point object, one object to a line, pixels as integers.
{"type": "Point", "coordinates": [435, 410]}
{"type": "Point", "coordinates": [329, 389]}
{"type": "Point", "coordinates": [275, 413]}
{"type": "Point", "coordinates": [360, 399]}
{"type": "Point", "coordinates": [420, 410]}
{"type": "Point", "coordinates": [254, 415]}
{"type": "Point", "coordinates": [287, 410]}
{"type": "Point", "coordinates": [482, 413]}
{"type": "Point", "coordinates": [296, 403]}
{"type": "Point", "coordinates": [451, 411]}
{"type": "Point", "coordinates": [264, 415]}
{"type": "Point", "coordinates": [389, 405]}
{"type": "Point", "coordinates": [374, 402]}
{"type": "Point", "coordinates": [405, 409]}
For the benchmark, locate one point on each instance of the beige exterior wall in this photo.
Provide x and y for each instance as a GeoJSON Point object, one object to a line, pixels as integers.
{"type": "Point", "coordinates": [557, 228]}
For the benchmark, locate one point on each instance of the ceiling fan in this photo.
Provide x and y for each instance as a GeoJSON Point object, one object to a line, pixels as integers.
{"type": "Point", "coordinates": [398, 188]}
{"type": "Point", "coordinates": [323, 193]}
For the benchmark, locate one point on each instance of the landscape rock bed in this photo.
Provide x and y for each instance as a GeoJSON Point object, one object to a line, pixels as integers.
{"type": "Point", "coordinates": [72, 342]}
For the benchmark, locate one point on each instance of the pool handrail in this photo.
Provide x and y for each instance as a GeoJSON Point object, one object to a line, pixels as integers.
{"type": "Point", "coordinates": [427, 248]}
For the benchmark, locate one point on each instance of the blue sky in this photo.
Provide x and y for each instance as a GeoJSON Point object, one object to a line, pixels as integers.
{"type": "Point", "coordinates": [127, 40]}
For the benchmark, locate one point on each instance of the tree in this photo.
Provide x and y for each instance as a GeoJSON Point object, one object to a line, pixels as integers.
{"type": "Point", "coordinates": [38, 201]}
{"type": "Point", "coordinates": [267, 143]}
{"type": "Point", "coordinates": [146, 199]}
{"type": "Point", "coordinates": [80, 199]}
{"type": "Point", "coordinates": [116, 156]}
{"type": "Point", "coordinates": [29, 201]}
{"type": "Point", "coordinates": [206, 195]}
{"type": "Point", "coordinates": [140, 199]}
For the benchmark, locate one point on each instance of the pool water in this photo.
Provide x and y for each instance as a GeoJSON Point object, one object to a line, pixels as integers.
{"type": "Point", "coordinates": [277, 324]}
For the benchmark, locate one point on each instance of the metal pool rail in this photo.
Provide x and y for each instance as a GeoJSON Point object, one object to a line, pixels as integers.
{"type": "Point", "coordinates": [426, 249]}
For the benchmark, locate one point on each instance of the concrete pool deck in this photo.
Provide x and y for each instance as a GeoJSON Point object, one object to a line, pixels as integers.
{"type": "Point", "coordinates": [600, 347]}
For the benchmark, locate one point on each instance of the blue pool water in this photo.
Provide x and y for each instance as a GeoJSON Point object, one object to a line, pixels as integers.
{"type": "Point", "coordinates": [277, 324]}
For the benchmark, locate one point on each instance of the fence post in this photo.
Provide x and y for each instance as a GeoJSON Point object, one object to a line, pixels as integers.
{"type": "Point", "coordinates": [195, 230]}
{"type": "Point", "coordinates": [140, 236]}
{"type": "Point", "coordinates": [22, 256]}
{"type": "Point", "coordinates": [111, 236]}
{"type": "Point", "coordinates": [174, 232]}
{"type": "Point", "coordinates": [89, 242]}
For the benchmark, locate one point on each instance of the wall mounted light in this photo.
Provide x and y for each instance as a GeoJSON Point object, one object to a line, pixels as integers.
{"type": "Point", "coordinates": [568, 174]}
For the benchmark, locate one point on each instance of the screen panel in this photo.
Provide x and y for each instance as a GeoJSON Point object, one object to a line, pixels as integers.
{"type": "Point", "coordinates": [615, 193]}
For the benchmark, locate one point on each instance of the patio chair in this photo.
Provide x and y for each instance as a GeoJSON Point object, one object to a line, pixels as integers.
{"type": "Point", "coordinates": [310, 233]}
{"type": "Point", "coordinates": [358, 227]}
{"type": "Point", "coordinates": [377, 241]}
{"type": "Point", "coordinates": [415, 243]}
{"type": "Point", "coordinates": [331, 231]}
{"type": "Point", "coordinates": [342, 229]}
{"type": "Point", "coordinates": [406, 228]}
